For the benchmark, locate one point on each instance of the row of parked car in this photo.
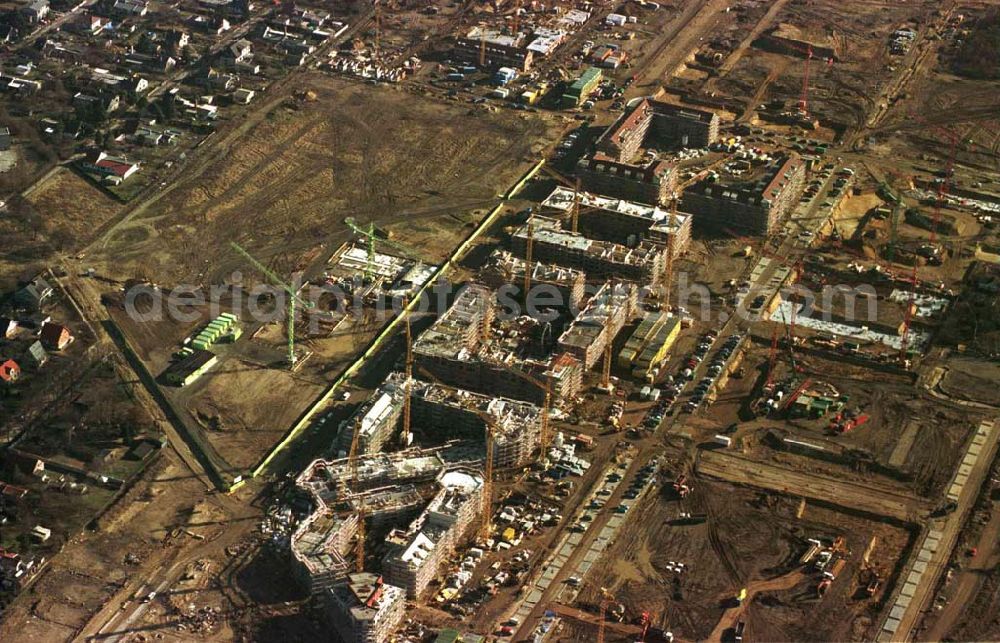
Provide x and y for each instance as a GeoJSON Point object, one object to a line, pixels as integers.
{"type": "Point", "coordinates": [715, 368]}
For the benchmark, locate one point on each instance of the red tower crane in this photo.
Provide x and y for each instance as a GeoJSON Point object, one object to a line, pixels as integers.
{"type": "Point", "coordinates": [942, 192]}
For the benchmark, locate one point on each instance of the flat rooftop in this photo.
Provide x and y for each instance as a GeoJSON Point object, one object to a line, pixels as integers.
{"type": "Point", "coordinates": [562, 199]}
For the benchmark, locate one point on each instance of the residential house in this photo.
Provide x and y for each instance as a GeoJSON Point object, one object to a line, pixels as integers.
{"type": "Point", "coordinates": [61, 51]}
{"type": "Point", "coordinates": [36, 356]}
{"type": "Point", "coordinates": [55, 336]}
{"type": "Point", "coordinates": [310, 18]}
{"type": "Point", "coordinates": [239, 52]}
{"type": "Point", "coordinates": [128, 8]}
{"type": "Point", "coordinates": [5, 138]}
{"type": "Point", "coordinates": [137, 85]}
{"type": "Point", "coordinates": [177, 41]}
{"type": "Point", "coordinates": [88, 24]}
{"type": "Point", "coordinates": [16, 571]}
{"type": "Point", "coordinates": [107, 103]}
{"type": "Point", "coordinates": [8, 328]}
{"type": "Point", "coordinates": [158, 63]}
{"type": "Point", "coordinates": [12, 494]}
{"type": "Point", "coordinates": [21, 87]}
{"type": "Point", "coordinates": [9, 371]}
{"type": "Point", "coordinates": [216, 25]}
{"type": "Point", "coordinates": [9, 34]}
{"type": "Point", "coordinates": [36, 11]}
{"type": "Point", "coordinates": [216, 80]}
{"type": "Point", "coordinates": [243, 96]}
{"type": "Point", "coordinates": [295, 60]}
{"type": "Point", "coordinates": [115, 169]}
{"type": "Point", "coordinates": [237, 8]}
{"type": "Point", "coordinates": [34, 294]}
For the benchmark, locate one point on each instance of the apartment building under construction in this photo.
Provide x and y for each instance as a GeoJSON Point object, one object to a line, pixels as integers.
{"type": "Point", "coordinates": [643, 263]}
{"type": "Point", "coordinates": [504, 269]}
{"type": "Point", "coordinates": [363, 608]}
{"type": "Point", "coordinates": [512, 358]}
{"type": "Point", "coordinates": [623, 222]}
{"type": "Point", "coordinates": [391, 488]}
{"type": "Point", "coordinates": [648, 181]}
{"type": "Point", "coordinates": [440, 413]}
{"type": "Point", "coordinates": [452, 413]}
{"type": "Point", "coordinates": [599, 322]}
{"type": "Point", "coordinates": [747, 204]}
{"type": "Point", "coordinates": [418, 552]}
{"type": "Point", "coordinates": [652, 123]}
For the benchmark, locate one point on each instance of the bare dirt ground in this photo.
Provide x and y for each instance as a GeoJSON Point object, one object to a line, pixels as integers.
{"type": "Point", "coordinates": [287, 185]}
{"type": "Point", "coordinates": [840, 93]}
{"type": "Point", "coordinates": [739, 520]}
{"type": "Point", "coordinates": [245, 408]}
{"type": "Point", "coordinates": [99, 570]}
{"type": "Point", "coordinates": [972, 380]}
{"type": "Point", "coordinates": [61, 212]}
{"type": "Point", "coordinates": [82, 207]}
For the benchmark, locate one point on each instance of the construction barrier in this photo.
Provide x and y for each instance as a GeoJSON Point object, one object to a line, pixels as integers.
{"type": "Point", "coordinates": [376, 344]}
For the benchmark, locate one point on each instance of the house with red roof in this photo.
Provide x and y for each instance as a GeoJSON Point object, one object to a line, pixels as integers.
{"type": "Point", "coordinates": [114, 169]}
{"type": "Point", "coordinates": [55, 336]}
{"type": "Point", "coordinates": [9, 371]}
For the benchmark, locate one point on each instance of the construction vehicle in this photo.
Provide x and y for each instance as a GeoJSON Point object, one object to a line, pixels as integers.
{"type": "Point", "coordinates": [681, 487]}
{"type": "Point", "coordinates": [870, 581]}
{"type": "Point", "coordinates": [847, 420]}
{"type": "Point", "coordinates": [293, 298]}
{"type": "Point", "coordinates": [795, 394]}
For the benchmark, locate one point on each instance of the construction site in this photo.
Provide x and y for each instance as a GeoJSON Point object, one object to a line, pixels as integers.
{"type": "Point", "coordinates": [631, 321]}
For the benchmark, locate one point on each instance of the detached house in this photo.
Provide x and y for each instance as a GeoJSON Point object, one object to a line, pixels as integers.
{"type": "Point", "coordinates": [35, 356]}
{"type": "Point", "coordinates": [114, 169]}
{"type": "Point", "coordinates": [239, 52]}
{"type": "Point", "coordinates": [36, 11]}
{"type": "Point", "coordinates": [8, 328]}
{"type": "Point", "coordinates": [9, 371]}
{"type": "Point", "coordinates": [88, 24]}
{"type": "Point", "coordinates": [34, 294]}
{"type": "Point", "coordinates": [130, 8]}
{"type": "Point", "coordinates": [55, 336]}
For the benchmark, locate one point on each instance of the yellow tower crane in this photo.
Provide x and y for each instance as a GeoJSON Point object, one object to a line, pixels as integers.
{"type": "Point", "coordinates": [352, 461]}
{"type": "Point", "coordinates": [487, 508]}
{"type": "Point", "coordinates": [407, 410]}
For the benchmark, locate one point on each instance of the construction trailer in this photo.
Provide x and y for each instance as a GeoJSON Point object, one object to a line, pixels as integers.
{"type": "Point", "coordinates": [581, 88]}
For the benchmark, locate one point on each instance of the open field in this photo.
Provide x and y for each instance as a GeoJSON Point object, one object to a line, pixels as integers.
{"type": "Point", "coordinates": [57, 215]}
{"type": "Point", "coordinates": [285, 186]}
{"type": "Point", "coordinates": [83, 208]}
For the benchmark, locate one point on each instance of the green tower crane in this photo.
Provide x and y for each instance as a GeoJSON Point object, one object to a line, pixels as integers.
{"type": "Point", "coordinates": [293, 297]}
{"type": "Point", "coordinates": [368, 233]}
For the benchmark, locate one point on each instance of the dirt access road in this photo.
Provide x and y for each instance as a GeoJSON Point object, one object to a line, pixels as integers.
{"type": "Point", "coordinates": [733, 614]}
{"type": "Point", "coordinates": [848, 495]}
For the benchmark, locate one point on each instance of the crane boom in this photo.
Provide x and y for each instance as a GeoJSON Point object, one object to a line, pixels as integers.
{"type": "Point", "coordinates": [405, 437]}
{"type": "Point", "coordinates": [293, 297]}
{"type": "Point", "coordinates": [369, 235]}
